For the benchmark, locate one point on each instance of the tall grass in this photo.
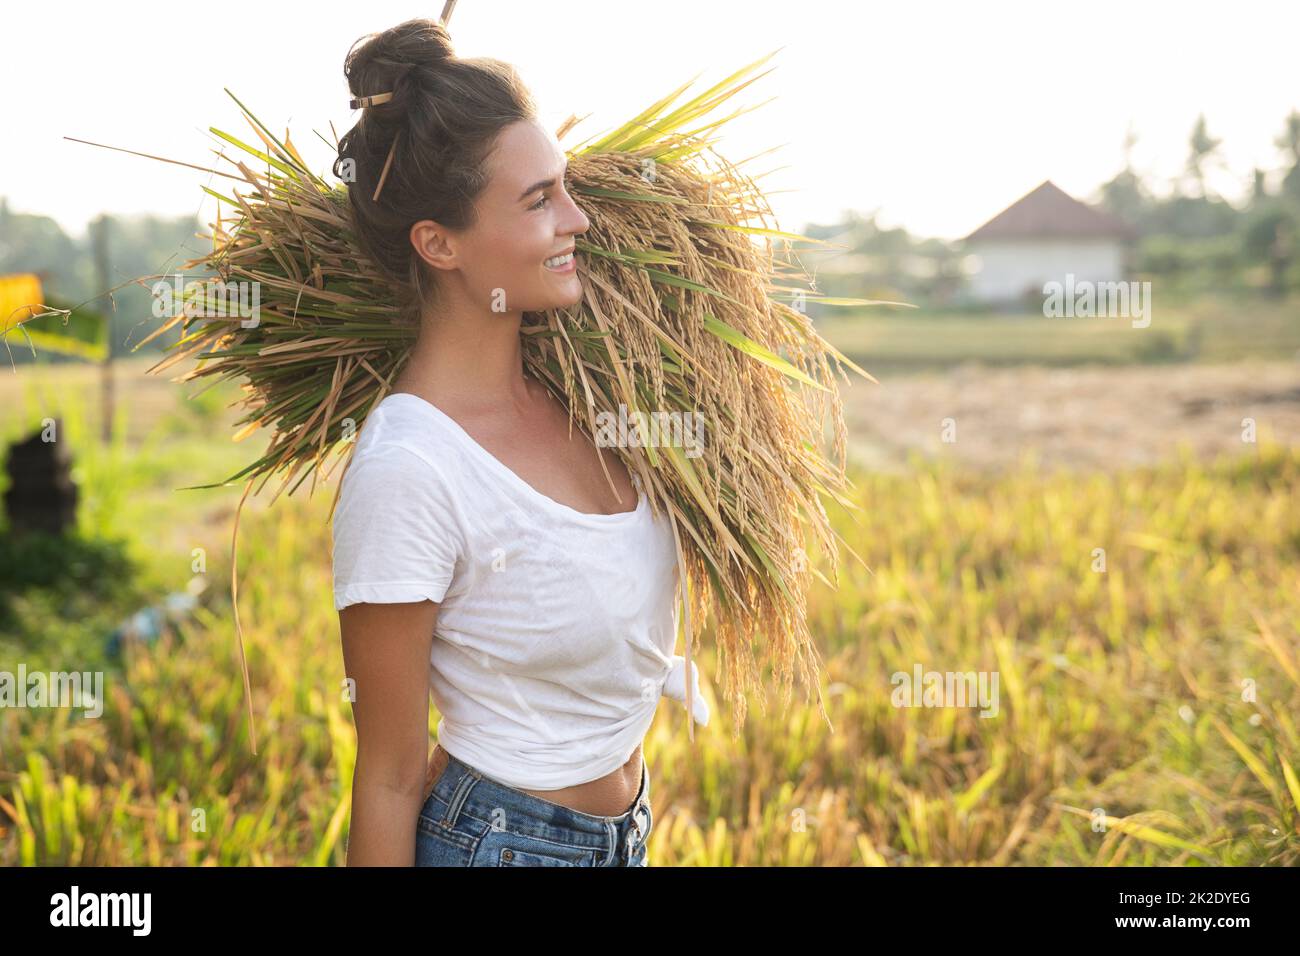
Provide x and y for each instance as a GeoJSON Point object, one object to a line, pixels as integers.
{"type": "Point", "coordinates": [1126, 731]}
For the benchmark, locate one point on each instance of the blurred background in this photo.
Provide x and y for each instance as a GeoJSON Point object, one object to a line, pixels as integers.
{"type": "Point", "coordinates": [1095, 499]}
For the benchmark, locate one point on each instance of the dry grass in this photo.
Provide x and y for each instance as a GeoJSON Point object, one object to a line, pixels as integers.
{"type": "Point", "coordinates": [1124, 689]}
{"type": "Point", "coordinates": [685, 311]}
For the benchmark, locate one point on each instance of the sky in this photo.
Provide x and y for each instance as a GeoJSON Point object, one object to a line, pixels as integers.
{"type": "Point", "coordinates": [933, 115]}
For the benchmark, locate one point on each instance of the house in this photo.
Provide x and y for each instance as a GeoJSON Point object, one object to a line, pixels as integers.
{"type": "Point", "coordinates": [1044, 236]}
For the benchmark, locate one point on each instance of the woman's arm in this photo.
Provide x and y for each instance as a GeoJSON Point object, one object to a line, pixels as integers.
{"type": "Point", "coordinates": [386, 653]}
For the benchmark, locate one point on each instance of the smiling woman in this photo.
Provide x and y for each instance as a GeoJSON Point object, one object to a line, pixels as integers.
{"type": "Point", "coordinates": [516, 255]}
{"type": "Point", "coordinates": [454, 215]}
{"type": "Point", "coordinates": [476, 539]}
{"type": "Point", "coordinates": [456, 143]}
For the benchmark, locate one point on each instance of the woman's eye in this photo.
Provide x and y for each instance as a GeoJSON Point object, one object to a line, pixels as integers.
{"type": "Point", "coordinates": [538, 204]}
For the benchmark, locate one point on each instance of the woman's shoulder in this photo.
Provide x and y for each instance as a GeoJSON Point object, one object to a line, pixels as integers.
{"type": "Point", "coordinates": [398, 528]}
{"type": "Point", "coordinates": [397, 429]}
{"type": "Point", "coordinates": [398, 456]}
{"type": "Point", "coordinates": [397, 484]}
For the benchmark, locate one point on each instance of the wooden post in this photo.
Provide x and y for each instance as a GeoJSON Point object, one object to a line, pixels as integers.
{"type": "Point", "coordinates": [100, 241]}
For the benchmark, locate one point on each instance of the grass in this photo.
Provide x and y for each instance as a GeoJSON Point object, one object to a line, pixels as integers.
{"type": "Point", "coordinates": [1147, 712]}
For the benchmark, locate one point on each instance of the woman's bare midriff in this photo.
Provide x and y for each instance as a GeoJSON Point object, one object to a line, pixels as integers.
{"type": "Point", "coordinates": [607, 796]}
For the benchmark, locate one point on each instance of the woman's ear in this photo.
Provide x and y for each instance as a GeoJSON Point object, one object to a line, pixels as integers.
{"type": "Point", "coordinates": [434, 244]}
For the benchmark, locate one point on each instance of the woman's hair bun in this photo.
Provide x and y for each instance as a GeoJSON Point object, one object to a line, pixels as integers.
{"type": "Point", "coordinates": [423, 154]}
{"type": "Point", "coordinates": [400, 58]}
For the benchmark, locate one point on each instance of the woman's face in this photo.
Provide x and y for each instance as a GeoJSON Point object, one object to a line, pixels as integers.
{"type": "Point", "coordinates": [525, 217]}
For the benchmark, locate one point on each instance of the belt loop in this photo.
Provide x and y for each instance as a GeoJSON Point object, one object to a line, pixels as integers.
{"type": "Point", "coordinates": [468, 777]}
{"type": "Point", "coordinates": [615, 853]}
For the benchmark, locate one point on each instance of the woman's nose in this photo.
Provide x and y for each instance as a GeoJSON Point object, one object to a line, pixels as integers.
{"type": "Point", "coordinates": [578, 221]}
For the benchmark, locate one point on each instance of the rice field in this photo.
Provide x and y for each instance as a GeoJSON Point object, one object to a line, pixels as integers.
{"type": "Point", "coordinates": [1223, 327]}
{"type": "Point", "coordinates": [1140, 623]}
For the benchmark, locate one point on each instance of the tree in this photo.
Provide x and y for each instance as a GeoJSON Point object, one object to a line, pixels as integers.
{"type": "Point", "coordinates": [1126, 195]}
{"type": "Point", "coordinates": [1269, 237]}
{"type": "Point", "coordinates": [1258, 187]}
{"type": "Point", "coordinates": [1202, 154]}
{"type": "Point", "coordinates": [1289, 143]}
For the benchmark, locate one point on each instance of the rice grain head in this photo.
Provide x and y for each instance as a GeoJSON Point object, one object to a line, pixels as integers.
{"type": "Point", "coordinates": [689, 306]}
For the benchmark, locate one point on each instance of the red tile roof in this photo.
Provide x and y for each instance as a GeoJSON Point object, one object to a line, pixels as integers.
{"type": "Point", "coordinates": [1048, 212]}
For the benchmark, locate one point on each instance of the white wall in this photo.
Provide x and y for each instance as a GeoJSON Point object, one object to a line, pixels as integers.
{"type": "Point", "coordinates": [1007, 268]}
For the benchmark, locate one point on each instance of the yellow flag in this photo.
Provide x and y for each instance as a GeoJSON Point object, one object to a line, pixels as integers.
{"type": "Point", "coordinates": [20, 298]}
{"type": "Point", "coordinates": [82, 333]}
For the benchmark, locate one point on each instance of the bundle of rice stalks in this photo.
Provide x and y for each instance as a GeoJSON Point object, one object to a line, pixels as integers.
{"type": "Point", "coordinates": [688, 308]}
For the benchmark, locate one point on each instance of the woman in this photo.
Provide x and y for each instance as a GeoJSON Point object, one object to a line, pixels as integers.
{"type": "Point", "coordinates": [475, 531]}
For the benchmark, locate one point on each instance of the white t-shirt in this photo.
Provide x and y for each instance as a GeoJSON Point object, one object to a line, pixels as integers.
{"type": "Point", "coordinates": [556, 630]}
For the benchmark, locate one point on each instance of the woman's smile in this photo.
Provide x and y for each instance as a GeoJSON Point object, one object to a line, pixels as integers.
{"type": "Point", "coordinates": [561, 264]}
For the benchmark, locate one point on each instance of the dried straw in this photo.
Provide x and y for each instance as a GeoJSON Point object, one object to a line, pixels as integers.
{"type": "Point", "coordinates": [688, 306]}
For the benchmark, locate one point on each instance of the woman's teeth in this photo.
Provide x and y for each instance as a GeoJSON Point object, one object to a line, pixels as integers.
{"type": "Point", "coordinates": [559, 261]}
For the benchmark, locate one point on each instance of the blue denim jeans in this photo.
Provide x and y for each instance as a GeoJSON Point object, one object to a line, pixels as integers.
{"type": "Point", "coordinates": [472, 820]}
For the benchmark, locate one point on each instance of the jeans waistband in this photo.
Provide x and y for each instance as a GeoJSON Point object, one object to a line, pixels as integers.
{"type": "Point", "coordinates": [466, 790]}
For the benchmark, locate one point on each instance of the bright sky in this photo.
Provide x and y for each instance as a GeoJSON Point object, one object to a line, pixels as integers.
{"type": "Point", "coordinates": [938, 114]}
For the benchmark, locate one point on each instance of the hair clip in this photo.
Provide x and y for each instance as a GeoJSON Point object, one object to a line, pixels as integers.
{"type": "Point", "coordinates": [374, 100]}
{"type": "Point", "coordinates": [357, 102]}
